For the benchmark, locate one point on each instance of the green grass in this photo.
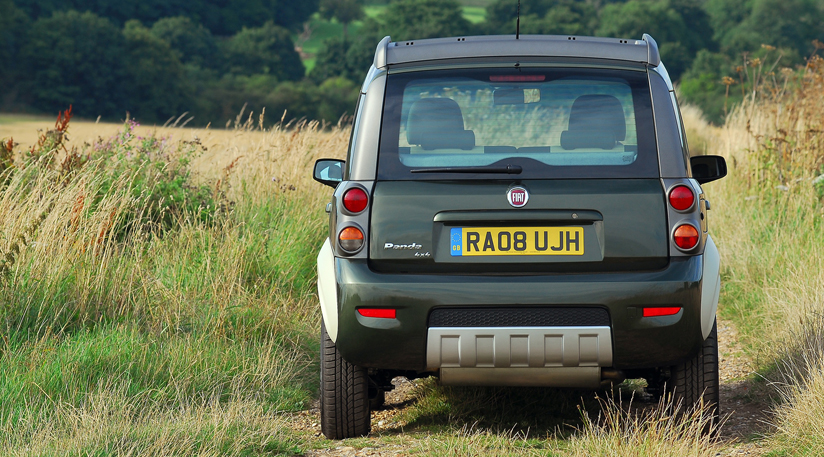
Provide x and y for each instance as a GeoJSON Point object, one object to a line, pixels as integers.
{"type": "Point", "coordinates": [15, 118]}
{"type": "Point", "coordinates": [119, 336]}
{"type": "Point", "coordinates": [374, 10]}
{"type": "Point", "coordinates": [474, 14]}
{"type": "Point", "coordinates": [476, 3]}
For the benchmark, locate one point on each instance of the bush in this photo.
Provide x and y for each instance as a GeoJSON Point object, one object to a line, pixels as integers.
{"type": "Point", "coordinates": [65, 65]}
{"type": "Point", "coordinates": [267, 50]}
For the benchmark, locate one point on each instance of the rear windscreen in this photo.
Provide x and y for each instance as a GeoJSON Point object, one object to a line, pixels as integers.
{"type": "Point", "coordinates": [545, 123]}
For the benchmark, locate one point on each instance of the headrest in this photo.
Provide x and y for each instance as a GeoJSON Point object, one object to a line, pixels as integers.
{"type": "Point", "coordinates": [437, 123]}
{"type": "Point", "coordinates": [598, 116]}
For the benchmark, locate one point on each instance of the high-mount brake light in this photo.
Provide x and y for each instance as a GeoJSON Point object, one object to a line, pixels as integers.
{"type": "Point", "coordinates": [662, 311]}
{"type": "Point", "coordinates": [685, 237]}
{"type": "Point", "coordinates": [381, 313]}
{"type": "Point", "coordinates": [351, 239]}
{"type": "Point", "coordinates": [517, 78]}
{"type": "Point", "coordinates": [355, 200]}
{"type": "Point", "coordinates": [681, 198]}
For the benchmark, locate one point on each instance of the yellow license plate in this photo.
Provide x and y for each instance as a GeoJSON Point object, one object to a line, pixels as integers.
{"type": "Point", "coordinates": [474, 241]}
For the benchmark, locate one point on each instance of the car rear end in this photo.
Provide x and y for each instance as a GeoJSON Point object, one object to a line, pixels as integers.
{"type": "Point", "coordinates": [528, 221]}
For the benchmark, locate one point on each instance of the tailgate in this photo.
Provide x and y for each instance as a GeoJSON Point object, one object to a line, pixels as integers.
{"type": "Point", "coordinates": [468, 227]}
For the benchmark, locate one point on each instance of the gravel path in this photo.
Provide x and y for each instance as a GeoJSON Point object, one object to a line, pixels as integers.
{"type": "Point", "coordinates": [746, 414]}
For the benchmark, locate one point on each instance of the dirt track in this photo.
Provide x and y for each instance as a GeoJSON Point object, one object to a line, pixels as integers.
{"type": "Point", "coordinates": [746, 414]}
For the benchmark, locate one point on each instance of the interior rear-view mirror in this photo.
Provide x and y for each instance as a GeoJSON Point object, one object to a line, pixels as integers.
{"type": "Point", "coordinates": [509, 97]}
{"type": "Point", "coordinates": [708, 168]}
{"type": "Point", "coordinates": [516, 96]}
{"type": "Point", "coordinates": [329, 171]}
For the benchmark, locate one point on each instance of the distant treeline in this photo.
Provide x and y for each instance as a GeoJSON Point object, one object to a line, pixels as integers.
{"type": "Point", "coordinates": [158, 58]}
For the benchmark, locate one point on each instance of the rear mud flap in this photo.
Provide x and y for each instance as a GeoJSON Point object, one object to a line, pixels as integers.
{"type": "Point", "coordinates": [328, 289]}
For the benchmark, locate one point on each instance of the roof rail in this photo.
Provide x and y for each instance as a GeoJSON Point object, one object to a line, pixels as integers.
{"type": "Point", "coordinates": [642, 51]}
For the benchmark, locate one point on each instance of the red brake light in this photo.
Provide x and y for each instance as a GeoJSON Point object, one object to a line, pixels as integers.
{"type": "Point", "coordinates": [685, 237]}
{"type": "Point", "coordinates": [681, 198]}
{"type": "Point", "coordinates": [350, 239]}
{"type": "Point", "coordinates": [661, 311]}
{"type": "Point", "coordinates": [383, 313]}
{"type": "Point", "coordinates": [355, 200]}
{"type": "Point", "coordinates": [516, 78]}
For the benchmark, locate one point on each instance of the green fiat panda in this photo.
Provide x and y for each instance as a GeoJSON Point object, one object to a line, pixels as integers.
{"type": "Point", "coordinates": [516, 211]}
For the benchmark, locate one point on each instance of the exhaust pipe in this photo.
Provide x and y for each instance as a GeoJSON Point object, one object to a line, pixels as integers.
{"type": "Point", "coordinates": [611, 376]}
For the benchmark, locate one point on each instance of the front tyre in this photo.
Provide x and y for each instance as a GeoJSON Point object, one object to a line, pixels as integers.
{"type": "Point", "coordinates": [696, 380]}
{"type": "Point", "coordinates": [344, 393]}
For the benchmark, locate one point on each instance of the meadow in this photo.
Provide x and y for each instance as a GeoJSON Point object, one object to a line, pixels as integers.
{"type": "Point", "coordinates": [157, 297]}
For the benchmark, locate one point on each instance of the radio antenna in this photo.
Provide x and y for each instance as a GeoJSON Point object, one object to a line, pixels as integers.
{"type": "Point", "coordinates": [518, 23]}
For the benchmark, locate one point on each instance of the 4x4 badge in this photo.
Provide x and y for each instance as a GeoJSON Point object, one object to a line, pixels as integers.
{"type": "Point", "coordinates": [517, 197]}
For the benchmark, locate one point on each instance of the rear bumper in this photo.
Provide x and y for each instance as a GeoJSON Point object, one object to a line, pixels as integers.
{"type": "Point", "coordinates": [636, 342]}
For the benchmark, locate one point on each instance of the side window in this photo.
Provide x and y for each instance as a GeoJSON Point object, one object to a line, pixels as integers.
{"type": "Point", "coordinates": [352, 139]}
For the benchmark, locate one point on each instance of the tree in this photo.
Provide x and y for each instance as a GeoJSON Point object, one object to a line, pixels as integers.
{"type": "Point", "coordinates": [291, 14]}
{"type": "Point", "coordinates": [337, 98]}
{"type": "Point", "coordinates": [192, 42]}
{"type": "Point", "coordinates": [566, 17]}
{"type": "Point", "coordinates": [345, 11]}
{"type": "Point", "coordinates": [782, 23]}
{"type": "Point", "coordinates": [155, 85]}
{"type": "Point", "coordinates": [678, 43]}
{"type": "Point", "coordinates": [76, 59]}
{"type": "Point", "coordinates": [331, 60]}
{"type": "Point", "coordinates": [418, 19]}
{"type": "Point", "coordinates": [702, 85]}
{"type": "Point", "coordinates": [563, 18]}
{"type": "Point", "coordinates": [725, 16]}
{"type": "Point", "coordinates": [13, 25]}
{"type": "Point", "coordinates": [223, 17]}
{"type": "Point", "coordinates": [266, 50]}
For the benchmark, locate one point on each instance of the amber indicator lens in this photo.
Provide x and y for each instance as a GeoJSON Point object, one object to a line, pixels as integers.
{"type": "Point", "coordinates": [355, 200]}
{"type": "Point", "coordinates": [681, 198]}
{"type": "Point", "coordinates": [350, 239]}
{"type": "Point", "coordinates": [382, 313]}
{"type": "Point", "coordinates": [686, 237]}
{"type": "Point", "coordinates": [661, 311]}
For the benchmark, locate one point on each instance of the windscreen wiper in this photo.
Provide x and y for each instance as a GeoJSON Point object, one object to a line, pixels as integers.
{"type": "Point", "coordinates": [509, 169]}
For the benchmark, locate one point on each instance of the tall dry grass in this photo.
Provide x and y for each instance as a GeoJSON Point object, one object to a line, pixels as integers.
{"type": "Point", "coordinates": [768, 221]}
{"type": "Point", "coordinates": [130, 331]}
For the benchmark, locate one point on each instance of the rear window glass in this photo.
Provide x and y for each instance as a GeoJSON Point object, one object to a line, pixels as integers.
{"type": "Point", "coordinates": [547, 123]}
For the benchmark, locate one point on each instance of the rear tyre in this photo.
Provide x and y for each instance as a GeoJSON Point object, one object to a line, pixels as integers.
{"type": "Point", "coordinates": [344, 393]}
{"type": "Point", "coordinates": [696, 380]}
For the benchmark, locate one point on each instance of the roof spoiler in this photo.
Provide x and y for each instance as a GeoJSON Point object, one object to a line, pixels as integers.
{"type": "Point", "coordinates": [380, 53]}
{"type": "Point", "coordinates": [487, 45]}
{"type": "Point", "coordinates": [653, 57]}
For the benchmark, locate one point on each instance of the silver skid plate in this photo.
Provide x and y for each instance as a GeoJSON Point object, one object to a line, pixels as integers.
{"type": "Point", "coordinates": [518, 347]}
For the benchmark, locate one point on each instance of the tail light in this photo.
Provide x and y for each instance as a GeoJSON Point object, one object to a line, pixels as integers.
{"type": "Point", "coordinates": [685, 237]}
{"type": "Point", "coordinates": [351, 239]}
{"type": "Point", "coordinates": [681, 198]}
{"type": "Point", "coordinates": [355, 200]}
